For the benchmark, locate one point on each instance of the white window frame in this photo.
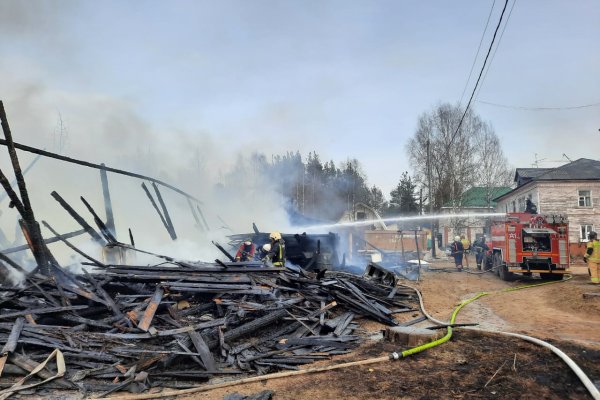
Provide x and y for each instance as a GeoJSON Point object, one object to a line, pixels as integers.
{"type": "Point", "coordinates": [586, 200]}
{"type": "Point", "coordinates": [584, 230]}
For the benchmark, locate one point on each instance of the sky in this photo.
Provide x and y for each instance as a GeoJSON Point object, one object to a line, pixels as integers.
{"type": "Point", "coordinates": [344, 78]}
{"type": "Point", "coordinates": [180, 89]}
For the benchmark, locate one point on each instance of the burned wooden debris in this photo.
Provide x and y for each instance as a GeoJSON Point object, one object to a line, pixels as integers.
{"type": "Point", "coordinates": [130, 327]}
{"type": "Point", "coordinates": [133, 327]}
{"type": "Point", "coordinates": [311, 252]}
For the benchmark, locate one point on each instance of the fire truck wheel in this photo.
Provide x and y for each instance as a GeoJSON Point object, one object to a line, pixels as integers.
{"type": "Point", "coordinates": [505, 275]}
{"type": "Point", "coordinates": [496, 263]}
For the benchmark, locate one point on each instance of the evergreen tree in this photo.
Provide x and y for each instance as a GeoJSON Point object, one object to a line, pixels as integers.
{"type": "Point", "coordinates": [403, 199]}
{"type": "Point", "coordinates": [377, 200]}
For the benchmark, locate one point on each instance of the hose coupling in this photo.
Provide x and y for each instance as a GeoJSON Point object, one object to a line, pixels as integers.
{"type": "Point", "coordinates": [394, 356]}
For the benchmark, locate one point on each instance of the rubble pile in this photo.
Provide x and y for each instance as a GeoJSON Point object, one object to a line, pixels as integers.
{"type": "Point", "coordinates": [131, 327]}
{"type": "Point", "coordinates": [128, 327]}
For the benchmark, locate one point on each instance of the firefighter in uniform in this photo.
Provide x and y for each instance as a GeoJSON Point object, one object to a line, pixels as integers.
{"type": "Point", "coordinates": [480, 248]}
{"type": "Point", "coordinates": [246, 251]}
{"type": "Point", "coordinates": [277, 253]}
{"type": "Point", "coordinates": [466, 248]}
{"type": "Point", "coordinates": [592, 257]}
{"type": "Point", "coordinates": [457, 252]}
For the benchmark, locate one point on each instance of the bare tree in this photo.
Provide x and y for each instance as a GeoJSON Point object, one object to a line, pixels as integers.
{"type": "Point", "coordinates": [493, 170]}
{"type": "Point", "coordinates": [459, 159]}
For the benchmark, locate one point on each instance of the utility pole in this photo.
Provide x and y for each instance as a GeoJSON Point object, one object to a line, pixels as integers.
{"type": "Point", "coordinates": [430, 202]}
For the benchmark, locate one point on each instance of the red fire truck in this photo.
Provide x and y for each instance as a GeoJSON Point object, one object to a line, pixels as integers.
{"type": "Point", "coordinates": [530, 243]}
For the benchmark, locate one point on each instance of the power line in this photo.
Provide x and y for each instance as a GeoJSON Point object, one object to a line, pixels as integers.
{"type": "Point", "coordinates": [480, 73]}
{"type": "Point", "coordinates": [497, 45]}
{"type": "Point", "coordinates": [477, 54]}
{"type": "Point", "coordinates": [538, 108]}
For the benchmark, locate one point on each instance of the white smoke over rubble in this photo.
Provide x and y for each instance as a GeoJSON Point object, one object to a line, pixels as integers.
{"type": "Point", "coordinates": [104, 130]}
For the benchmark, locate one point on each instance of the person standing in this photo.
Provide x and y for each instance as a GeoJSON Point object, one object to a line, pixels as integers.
{"type": "Point", "coordinates": [466, 248]}
{"type": "Point", "coordinates": [277, 253]}
{"type": "Point", "coordinates": [480, 247]}
{"type": "Point", "coordinates": [592, 257]}
{"type": "Point", "coordinates": [456, 250]}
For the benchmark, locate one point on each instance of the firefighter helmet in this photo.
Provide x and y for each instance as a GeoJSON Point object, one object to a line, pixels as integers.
{"type": "Point", "coordinates": [592, 235]}
{"type": "Point", "coordinates": [266, 247]}
{"type": "Point", "coordinates": [275, 236]}
{"type": "Point", "coordinates": [457, 238]}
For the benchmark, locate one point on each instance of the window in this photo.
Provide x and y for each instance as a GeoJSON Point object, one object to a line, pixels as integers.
{"type": "Point", "coordinates": [584, 231]}
{"type": "Point", "coordinates": [585, 198]}
{"type": "Point", "coordinates": [514, 206]}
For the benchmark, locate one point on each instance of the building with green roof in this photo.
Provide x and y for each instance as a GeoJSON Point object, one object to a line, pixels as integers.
{"type": "Point", "coordinates": [474, 201]}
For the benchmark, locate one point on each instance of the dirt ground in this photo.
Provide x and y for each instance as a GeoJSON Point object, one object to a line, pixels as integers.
{"type": "Point", "coordinates": [471, 365]}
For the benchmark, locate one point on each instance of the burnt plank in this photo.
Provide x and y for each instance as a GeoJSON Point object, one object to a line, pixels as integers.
{"type": "Point", "coordinates": [42, 310]}
{"type": "Point", "coordinates": [11, 342]}
{"type": "Point", "coordinates": [205, 354]}
{"type": "Point", "coordinates": [345, 321]}
{"type": "Point", "coordinates": [151, 309]}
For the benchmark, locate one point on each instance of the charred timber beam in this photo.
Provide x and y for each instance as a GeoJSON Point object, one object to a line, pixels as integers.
{"type": "Point", "coordinates": [170, 332]}
{"type": "Point", "coordinates": [11, 342]}
{"type": "Point", "coordinates": [46, 241]}
{"type": "Point", "coordinates": [195, 215]}
{"type": "Point", "coordinates": [70, 282]}
{"type": "Point", "coordinates": [38, 248]}
{"type": "Point", "coordinates": [224, 251]}
{"type": "Point", "coordinates": [110, 220]}
{"type": "Point", "coordinates": [100, 290]}
{"type": "Point", "coordinates": [250, 327]}
{"type": "Point", "coordinates": [103, 229]}
{"type": "Point", "coordinates": [151, 198]}
{"type": "Point", "coordinates": [131, 238]}
{"type": "Point", "coordinates": [12, 263]}
{"type": "Point", "coordinates": [78, 218]}
{"type": "Point", "coordinates": [126, 246]}
{"type": "Point", "coordinates": [14, 199]}
{"type": "Point", "coordinates": [43, 310]}
{"type": "Point", "coordinates": [165, 211]}
{"type": "Point", "coordinates": [63, 238]}
{"type": "Point", "coordinates": [96, 166]}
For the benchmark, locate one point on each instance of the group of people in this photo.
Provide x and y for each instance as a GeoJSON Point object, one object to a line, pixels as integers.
{"type": "Point", "coordinates": [273, 252]}
{"type": "Point", "coordinates": [461, 248]}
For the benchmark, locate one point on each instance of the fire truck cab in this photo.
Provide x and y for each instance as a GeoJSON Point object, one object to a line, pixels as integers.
{"type": "Point", "coordinates": [530, 243]}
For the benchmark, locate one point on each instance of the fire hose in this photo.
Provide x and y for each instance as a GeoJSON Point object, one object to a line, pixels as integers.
{"type": "Point", "coordinates": [589, 385]}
